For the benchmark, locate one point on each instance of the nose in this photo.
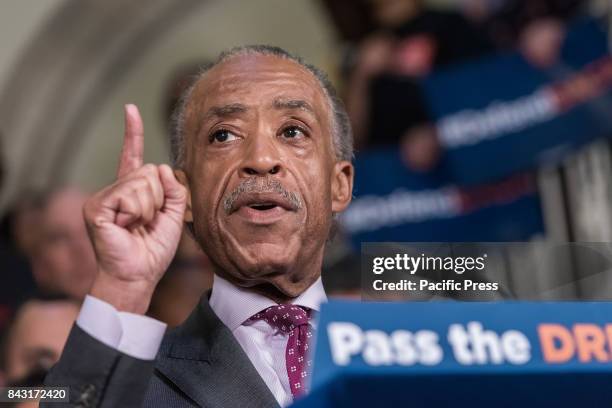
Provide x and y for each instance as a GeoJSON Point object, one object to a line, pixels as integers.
{"type": "Point", "coordinates": [261, 157]}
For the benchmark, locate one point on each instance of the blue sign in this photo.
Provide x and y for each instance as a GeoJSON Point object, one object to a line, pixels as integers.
{"type": "Point", "coordinates": [500, 115]}
{"type": "Point", "coordinates": [504, 354]}
{"type": "Point", "coordinates": [393, 203]}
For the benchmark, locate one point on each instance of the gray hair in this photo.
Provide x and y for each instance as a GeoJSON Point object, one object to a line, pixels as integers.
{"type": "Point", "coordinates": [341, 128]}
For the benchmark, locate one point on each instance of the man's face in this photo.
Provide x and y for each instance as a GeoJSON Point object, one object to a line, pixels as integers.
{"type": "Point", "coordinates": [64, 261]}
{"type": "Point", "coordinates": [38, 336]}
{"type": "Point", "coordinates": [262, 172]}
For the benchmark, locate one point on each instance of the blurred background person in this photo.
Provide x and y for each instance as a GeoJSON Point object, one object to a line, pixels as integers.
{"type": "Point", "coordinates": [34, 379]}
{"type": "Point", "coordinates": [384, 98]}
{"type": "Point", "coordinates": [409, 40]}
{"type": "Point", "coordinates": [46, 254]}
{"type": "Point", "coordinates": [536, 28]}
{"type": "Point", "coordinates": [37, 336]}
{"type": "Point", "coordinates": [63, 261]}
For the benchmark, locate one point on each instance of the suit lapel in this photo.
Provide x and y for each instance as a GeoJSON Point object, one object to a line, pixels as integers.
{"type": "Point", "coordinates": [205, 361]}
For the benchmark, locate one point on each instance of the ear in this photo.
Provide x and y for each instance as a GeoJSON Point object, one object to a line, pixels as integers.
{"type": "Point", "coordinates": [342, 186]}
{"type": "Point", "coordinates": [182, 178]}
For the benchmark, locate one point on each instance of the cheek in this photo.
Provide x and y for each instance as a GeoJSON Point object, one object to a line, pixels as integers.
{"type": "Point", "coordinates": [58, 255]}
{"type": "Point", "coordinates": [202, 205]}
{"type": "Point", "coordinates": [317, 191]}
{"type": "Point", "coordinates": [206, 192]}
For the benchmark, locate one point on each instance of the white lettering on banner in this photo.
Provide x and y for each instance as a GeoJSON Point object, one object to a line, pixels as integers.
{"type": "Point", "coordinates": [346, 340]}
{"type": "Point", "coordinates": [471, 345]}
{"type": "Point", "coordinates": [478, 346]}
{"type": "Point", "coordinates": [369, 213]}
{"type": "Point", "coordinates": [469, 127]}
{"type": "Point", "coordinates": [378, 348]}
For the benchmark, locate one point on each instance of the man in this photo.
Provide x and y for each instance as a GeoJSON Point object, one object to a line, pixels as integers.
{"type": "Point", "coordinates": [37, 336]}
{"type": "Point", "coordinates": [261, 165]}
{"type": "Point", "coordinates": [63, 260]}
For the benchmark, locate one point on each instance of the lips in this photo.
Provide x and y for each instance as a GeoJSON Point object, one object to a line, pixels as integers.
{"type": "Point", "coordinates": [263, 202]}
{"type": "Point", "coordinates": [262, 208]}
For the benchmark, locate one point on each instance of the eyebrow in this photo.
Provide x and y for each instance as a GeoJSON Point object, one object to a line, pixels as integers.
{"type": "Point", "coordinates": [292, 104]}
{"type": "Point", "coordinates": [224, 111]}
{"type": "Point", "coordinates": [231, 109]}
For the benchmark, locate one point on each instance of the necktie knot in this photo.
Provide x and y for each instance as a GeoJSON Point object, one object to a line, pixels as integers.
{"type": "Point", "coordinates": [283, 317]}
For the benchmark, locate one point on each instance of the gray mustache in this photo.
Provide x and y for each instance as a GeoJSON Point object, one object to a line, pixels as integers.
{"type": "Point", "coordinates": [260, 185]}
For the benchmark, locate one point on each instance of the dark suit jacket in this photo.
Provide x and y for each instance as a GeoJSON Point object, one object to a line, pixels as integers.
{"type": "Point", "coordinates": [199, 363]}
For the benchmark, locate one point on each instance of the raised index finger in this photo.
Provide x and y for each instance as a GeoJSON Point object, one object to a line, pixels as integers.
{"type": "Point", "coordinates": [133, 142]}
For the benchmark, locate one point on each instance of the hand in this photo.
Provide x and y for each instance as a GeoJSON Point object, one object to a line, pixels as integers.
{"type": "Point", "coordinates": [135, 224]}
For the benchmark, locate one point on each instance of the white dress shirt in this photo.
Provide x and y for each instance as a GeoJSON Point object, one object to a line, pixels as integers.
{"type": "Point", "coordinates": [140, 336]}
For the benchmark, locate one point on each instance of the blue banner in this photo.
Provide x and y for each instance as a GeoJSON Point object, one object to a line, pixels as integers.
{"type": "Point", "coordinates": [500, 115]}
{"type": "Point", "coordinates": [393, 203]}
{"type": "Point", "coordinates": [463, 354]}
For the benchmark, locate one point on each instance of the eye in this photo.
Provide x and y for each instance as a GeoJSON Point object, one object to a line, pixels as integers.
{"type": "Point", "coordinates": [222, 136]}
{"type": "Point", "coordinates": [293, 132]}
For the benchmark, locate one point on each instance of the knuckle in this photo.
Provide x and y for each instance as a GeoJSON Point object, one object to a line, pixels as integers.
{"type": "Point", "coordinates": [149, 168]}
{"type": "Point", "coordinates": [127, 174]}
{"type": "Point", "coordinates": [153, 182]}
{"type": "Point", "coordinates": [91, 207]}
{"type": "Point", "coordinates": [129, 204]}
{"type": "Point", "coordinates": [136, 184]}
{"type": "Point", "coordinates": [96, 221]}
{"type": "Point", "coordinates": [156, 188]}
{"type": "Point", "coordinates": [88, 210]}
{"type": "Point", "coordinates": [182, 191]}
{"type": "Point", "coordinates": [145, 198]}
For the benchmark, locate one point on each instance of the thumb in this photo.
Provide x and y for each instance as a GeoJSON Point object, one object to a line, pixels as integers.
{"type": "Point", "coordinates": [175, 194]}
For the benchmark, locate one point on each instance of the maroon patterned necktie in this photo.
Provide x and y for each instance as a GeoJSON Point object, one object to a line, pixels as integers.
{"type": "Point", "coordinates": [292, 320]}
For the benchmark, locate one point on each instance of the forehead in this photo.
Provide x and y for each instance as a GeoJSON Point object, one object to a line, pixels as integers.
{"type": "Point", "coordinates": [253, 80]}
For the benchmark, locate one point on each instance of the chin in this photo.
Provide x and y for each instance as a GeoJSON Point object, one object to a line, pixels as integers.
{"type": "Point", "coordinates": [291, 286]}
{"type": "Point", "coordinates": [265, 259]}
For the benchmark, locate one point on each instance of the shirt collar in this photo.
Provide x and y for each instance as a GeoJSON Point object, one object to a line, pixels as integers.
{"type": "Point", "coordinates": [234, 305]}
